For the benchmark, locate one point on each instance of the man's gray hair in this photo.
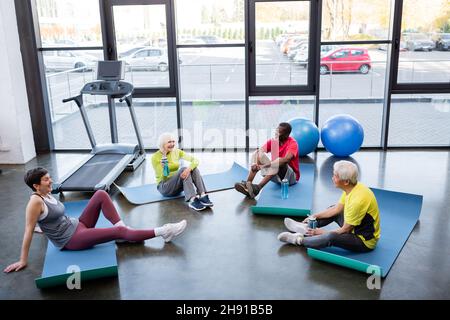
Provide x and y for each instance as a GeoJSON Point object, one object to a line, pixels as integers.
{"type": "Point", "coordinates": [346, 170]}
{"type": "Point", "coordinates": [164, 138]}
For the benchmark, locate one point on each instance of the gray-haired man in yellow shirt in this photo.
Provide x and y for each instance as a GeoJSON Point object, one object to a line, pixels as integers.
{"type": "Point", "coordinates": [356, 213]}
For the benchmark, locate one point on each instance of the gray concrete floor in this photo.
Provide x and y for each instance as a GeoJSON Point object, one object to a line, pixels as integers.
{"type": "Point", "coordinates": [228, 253]}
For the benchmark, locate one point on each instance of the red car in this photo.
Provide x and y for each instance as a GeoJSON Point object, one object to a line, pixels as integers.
{"type": "Point", "coordinates": [346, 59]}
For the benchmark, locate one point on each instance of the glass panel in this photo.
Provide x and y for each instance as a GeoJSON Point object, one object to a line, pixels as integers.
{"type": "Point", "coordinates": [142, 44]}
{"type": "Point", "coordinates": [69, 23]}
{"type": "Point", "coordinates": [66, 73]}
{"type": "Point", "coordinates": [346, 20]}
{"type": "Point", "coordinates": [69, 131]}
{"type": "Point", "coordinates": [420, 120]}
{"type": "Point", "coordinates": [282, 36]}
{"type": "Point", "coordinates": [210, 21]}
{"type": "Point", "coordinates": [212, 84]}
{"type": "Point", "coordinates": [154, 116]}
{"type": "Point", "coordinates": [425, 41]}
{"type": "Point", "coordinates": [267, 112]}
{"type": "Point", "coordinates": [71, 61]}
{"type": "Point", "coordinates": [352, 82]}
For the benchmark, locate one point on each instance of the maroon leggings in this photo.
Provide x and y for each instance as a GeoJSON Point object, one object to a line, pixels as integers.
{"type": "Point", "coordinates": [86, 235]}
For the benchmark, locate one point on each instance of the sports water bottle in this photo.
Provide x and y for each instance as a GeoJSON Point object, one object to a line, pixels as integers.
{"type": "Point", "coordinates": [166, 166]}
{"type": "Point", "coordinates": [284, 189]}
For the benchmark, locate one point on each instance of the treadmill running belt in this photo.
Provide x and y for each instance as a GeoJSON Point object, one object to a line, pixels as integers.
{"type": "Point", "coordinates": [92, 172]}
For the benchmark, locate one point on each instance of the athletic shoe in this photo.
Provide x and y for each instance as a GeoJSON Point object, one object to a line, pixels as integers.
{"type": "Point", "coordinates": [196, 205]}
{"type": "Point", "coordinates": [293, 238]}
{"type": "Point", "coordinates": [173, 230]}
{"type": "Point", "coordinates": [294, 226]}
{"type": "Point", "coordinates": [242, 188]}
{"type": "Point", "coordinates": [205, 201]}
{"type": "Point", "coordinates": [253, 189]}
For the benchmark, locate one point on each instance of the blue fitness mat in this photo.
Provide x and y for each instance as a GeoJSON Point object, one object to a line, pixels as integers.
{"type": "Point", "coordinates": [97, 262]}
{"type": "Point", "coordinates": [300, 198]}
{"type": "Point", "coordinates": [399, 213]}
{"type": "Point", "coordinates": [214, 182]}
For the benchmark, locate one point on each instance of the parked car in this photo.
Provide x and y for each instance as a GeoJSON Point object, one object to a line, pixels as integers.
{"type": "Point", "coordinates": [291, 42]}
{"type": "Point", "coordinates": [442, 41]}
{"type": "Point", "coordinates": [384, 47]}
{"type": "Point", "coordinates": [147, 58]}
{"type": "Point", "coordinates": [346, 59]}
{"type": "Point", "coordinates": [418, 41]}
{"type": "Point", "coordinates": [130, 51]}
{"type": "Point", "coordinates": [301, 57]}
{"type": "Point", "coordinates": [60, 60]}
{"type": "Point", "coordinates": [292, 51]}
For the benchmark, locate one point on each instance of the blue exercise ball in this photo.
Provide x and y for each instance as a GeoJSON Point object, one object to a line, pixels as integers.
{"type": "Point", "coordinates": [342, 135]}
{"type": "Point", "coordinates": [306, 133]}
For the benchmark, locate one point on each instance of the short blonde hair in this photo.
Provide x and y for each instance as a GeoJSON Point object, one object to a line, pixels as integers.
{"type": "Point", "coordinates": [346, 170]}
{"type": "Point", "coordinates": [164, 138]}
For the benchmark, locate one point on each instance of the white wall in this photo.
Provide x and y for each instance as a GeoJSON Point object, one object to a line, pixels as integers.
{"type": "Point", "coordinates": [16, 135]}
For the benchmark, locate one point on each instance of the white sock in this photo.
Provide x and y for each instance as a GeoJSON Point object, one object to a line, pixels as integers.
{"type": "Point", "coordinates": [192, 199]}
{"type": "Point", "coordinates": [202, 195]}
{"type": "Point", "coordinates": [160, 231]}
{"type": "Point", "coordinates": [120, 224]}
{"type": "Point", "coordinates": [299, 240]}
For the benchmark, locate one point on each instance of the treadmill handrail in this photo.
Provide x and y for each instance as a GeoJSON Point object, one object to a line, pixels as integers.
{"type": "Point", "coordinates": [127, 98]}
{"type": "Point", "coordinates": [78, 100]}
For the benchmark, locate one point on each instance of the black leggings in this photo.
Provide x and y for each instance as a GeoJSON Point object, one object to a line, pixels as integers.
{"type": "Point", "coordinates": [348, 241]}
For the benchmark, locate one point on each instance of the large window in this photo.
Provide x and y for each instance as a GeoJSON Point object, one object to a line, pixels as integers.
{"type": "Point", "coordinates": [267, 112]}
{"type": "Point", "coordinates": [142, 44]}
{"type": "Point", "coordinates": [282, 40]}
{"type": "Point", "coordinates": [215, 68]}
{"type": "Point", "coordinates": [212, 83]}
{"type": "Point", "coordinates": [155, 116]}
{"type": "Point", "coordinates": [352, 82]}
{"type": "Point", "coordinates": [209, 22]}
{"type": "Point", "coordinates": [69, 23]}
{"type": "Point", "coordinates": [210, 42]}
{"type": "Point", "coordinates": [420, 120]}
{"type": "Point", "coordinates": [425, 42]}
{"type": "Point", "coordinates": [281, 47]}
{"type": "Point", "coordinates": [344, 20]}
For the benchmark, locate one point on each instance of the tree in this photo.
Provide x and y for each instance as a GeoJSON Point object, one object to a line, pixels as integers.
{"type": "Point", "coordinates": [238, 14]}
{"type": "Point", "coordinates": [339, 19]}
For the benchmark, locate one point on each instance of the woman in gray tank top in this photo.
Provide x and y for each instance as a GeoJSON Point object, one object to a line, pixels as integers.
{"type": "Point", "coordinates": [78, 234]}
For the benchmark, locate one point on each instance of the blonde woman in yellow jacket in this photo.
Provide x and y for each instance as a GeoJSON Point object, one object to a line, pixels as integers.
{"type": "Point", "coordinates": [172, 180]}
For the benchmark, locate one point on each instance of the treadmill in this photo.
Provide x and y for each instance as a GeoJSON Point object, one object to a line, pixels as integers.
{"type": "Point", "coordinates": [106, 161]}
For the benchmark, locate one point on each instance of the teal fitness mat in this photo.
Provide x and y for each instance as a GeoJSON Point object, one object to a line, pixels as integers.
{"type": "Point", "coordinates": [300, 198]}
{"type": "Point", "coordinates": [214, 182]}
{"type": "Point", "coordinates": [399, 213]}
{"type": "Point", "coordinates": [97, 262]}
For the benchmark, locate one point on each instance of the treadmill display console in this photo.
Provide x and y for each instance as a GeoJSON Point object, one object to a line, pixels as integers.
{"type": "Point", "coordinates": [108, 88]}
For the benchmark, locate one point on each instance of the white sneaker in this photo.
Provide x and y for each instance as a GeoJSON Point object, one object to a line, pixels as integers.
{"type": "Point", "coordinates": [293, 238]}
{"type": "Point", "coordinates": [173, 230]}
{"type": "Point", "coordinates": [294, 226]}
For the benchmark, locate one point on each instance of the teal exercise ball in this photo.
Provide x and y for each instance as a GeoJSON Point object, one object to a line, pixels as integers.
{"type": "Point", "coordinates": [342, 135]}
{"type": "Point", "coordinates": [306, 133]}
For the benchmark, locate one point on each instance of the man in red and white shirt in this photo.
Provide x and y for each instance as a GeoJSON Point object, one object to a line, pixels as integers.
{"type": "Point", "coordinates": [284, 163]}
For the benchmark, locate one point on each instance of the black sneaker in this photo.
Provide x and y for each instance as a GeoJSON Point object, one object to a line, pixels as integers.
{"type": "Point", "coordinates": [197, 205]}
{"type": "Point", "coordinates": [253, 189]}
{"type": "Point", "coordinates": [205, 201]}
{"type": "Point", "coordinates": [242, 188]}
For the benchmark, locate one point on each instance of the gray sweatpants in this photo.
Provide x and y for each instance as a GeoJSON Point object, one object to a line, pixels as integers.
{"type": "Point", "coordinates": [175, 185]}
{"type": "Point", "coordinates": [348, 241]}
